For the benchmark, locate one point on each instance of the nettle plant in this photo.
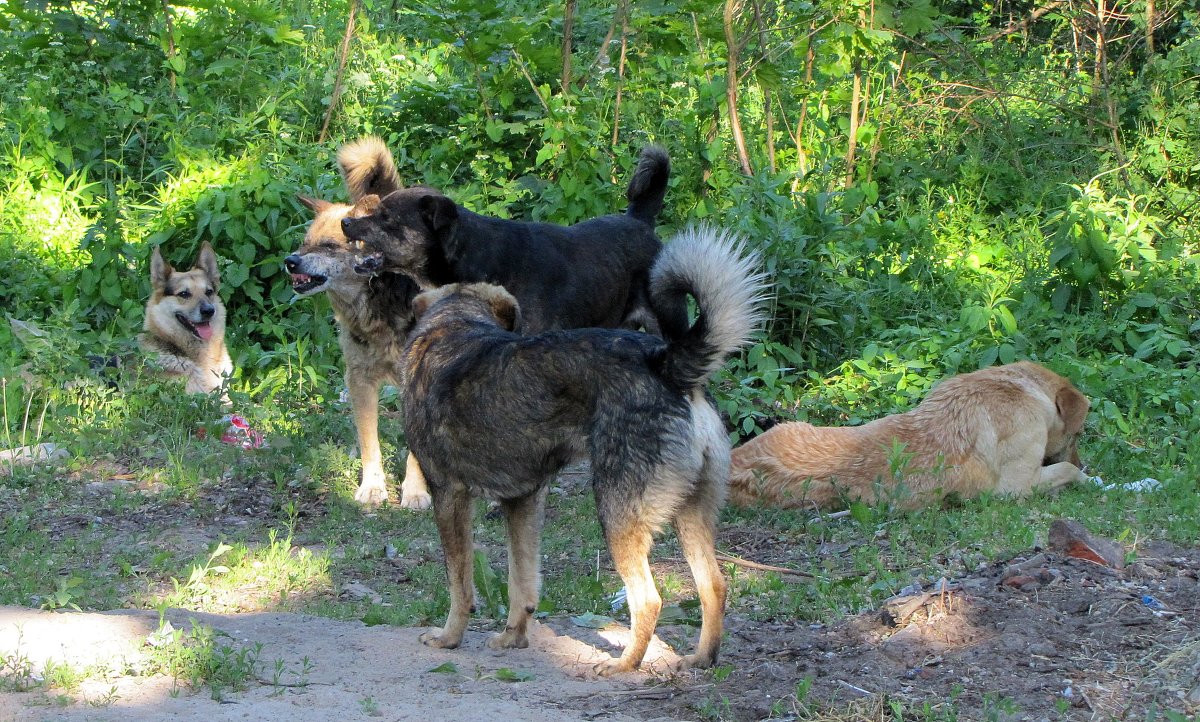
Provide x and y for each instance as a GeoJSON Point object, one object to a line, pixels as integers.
{"type": "Point", "coordinates": [1102, 245]}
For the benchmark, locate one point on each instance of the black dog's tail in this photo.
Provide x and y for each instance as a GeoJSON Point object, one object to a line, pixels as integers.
{"type": "Point", "coordinates": [649, 185]}
{"type": "Point", "coordinates": [715, 267]}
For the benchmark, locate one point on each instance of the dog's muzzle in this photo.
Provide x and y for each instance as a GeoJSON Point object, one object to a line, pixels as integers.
{"type": "Point", "coordinates": [200, 329]}
{"type": "Point", "coordinates": [302, 283]}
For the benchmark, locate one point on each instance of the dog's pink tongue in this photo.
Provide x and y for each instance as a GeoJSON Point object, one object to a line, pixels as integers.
{"type": "Point", "coordinates": [205, 330]}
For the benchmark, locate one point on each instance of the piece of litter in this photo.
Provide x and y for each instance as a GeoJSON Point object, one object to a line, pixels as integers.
{"type": "Point", "coordinates": [31, 454]}
{"type": "Point", "coordinates": [164, 636]}
{"type": "Point", "coordinates": [240, 434]}
{"type": "Point", "coordinates": [1141, 485]}
{"type": "Point", "coordinates": [619, 599]}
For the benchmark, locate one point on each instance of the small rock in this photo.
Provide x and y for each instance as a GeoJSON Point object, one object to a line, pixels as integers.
{"type": "Point", "coordinates": [1043, 649]}
{"type": "Point", "coordinates": [1071, 538]}
{"type": "Point", "coordinates": [1021, 581]}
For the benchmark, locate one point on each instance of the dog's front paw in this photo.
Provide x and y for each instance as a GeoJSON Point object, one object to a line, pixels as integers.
{"type": "Point", "coordinates": [694, 661]}
{"type": "Point", "coordinates": [368, 265]}
{"type": "Point", "coordinates": [440, 640]}
{"type": "Point", "coordinates": [371, 494]}
{"type": "Point", "coordinates": [609, 667]}
{"type": "Point", "coordinates": [415, 500]}
{"type": "Point", "coordinates": [509, 639]}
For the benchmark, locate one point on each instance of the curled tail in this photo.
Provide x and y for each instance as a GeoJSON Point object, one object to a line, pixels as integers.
{"type": "Point", "coordinates": [715, 267]}
{"type": "Point", "coordinates": [649, 185]}
{"type": "Point", "coordinates": [368, 168]}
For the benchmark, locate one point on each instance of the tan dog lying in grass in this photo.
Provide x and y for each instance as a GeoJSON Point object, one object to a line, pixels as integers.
{"type": "Point", "coordinates": [1008, 429]}
{"type": "Point", "coordinates": [184, 330]}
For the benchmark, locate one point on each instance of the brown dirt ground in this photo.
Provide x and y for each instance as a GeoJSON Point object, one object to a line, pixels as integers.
{"type": "Point", "coordinates": [1074, 641]}
{"type": "Point", "coordinates": [1037, 637]}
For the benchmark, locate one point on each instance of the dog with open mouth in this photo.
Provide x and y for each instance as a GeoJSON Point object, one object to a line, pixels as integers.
{"type": "Point", "coordinates": [492, 413]}
{"type": "Point", "coordinates": [373, 313]}
{"type": "Point", "coordinates": [184, 328]}
{"type": "Point", "coordinates": [593, 274]}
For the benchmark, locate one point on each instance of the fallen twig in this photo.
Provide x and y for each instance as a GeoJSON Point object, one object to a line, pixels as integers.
{"type": "Point", "coordinates": [721, 556]}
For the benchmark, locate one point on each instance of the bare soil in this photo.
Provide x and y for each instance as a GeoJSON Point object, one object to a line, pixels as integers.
{"type": "Point", "coordinates": [1038, 637]}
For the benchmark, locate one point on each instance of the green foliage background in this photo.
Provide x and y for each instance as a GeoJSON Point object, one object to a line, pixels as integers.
{"type": "Point", "coordinates": [1016, 189]}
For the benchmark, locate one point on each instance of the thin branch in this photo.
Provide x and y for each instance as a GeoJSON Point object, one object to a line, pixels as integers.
{"type": "Point", "coordinates": [1022, 25]}
{"type": "Point", "coordinates": [532, 84]}
{"type": "Point", "coordinates": [341, 71]}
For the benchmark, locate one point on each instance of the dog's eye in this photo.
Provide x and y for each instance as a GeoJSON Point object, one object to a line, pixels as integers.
{"type": "Point", "coordinates": [209, 293]}
{"type": "Point", "coordinates": [184, 294]}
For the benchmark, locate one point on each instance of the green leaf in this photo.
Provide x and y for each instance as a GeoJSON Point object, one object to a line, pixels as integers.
{"type": "Point", "coordinates": [1007, 320]}
{"type": "Point", "coordinates": [235, 275]}
{"type": "Point", "coordinates": [587, 620]}
{"type": "Point", "coordinates": [504, 674]}
{"type": "Point", "coordinates": [445, 668]}
{"type": "Point", "coordinates": [547, 151]}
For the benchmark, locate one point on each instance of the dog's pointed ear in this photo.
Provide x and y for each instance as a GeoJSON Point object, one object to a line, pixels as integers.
{"type": "Point", "coordinates": [316, 205]}
{"type": "Point", "coordinates": [506, 309]}
{"type": "Point", "coordinates": [425, 299]}
{"type": "Point", "coordinates": [438, 211]}
{"type": "Point", "coordinates": [207, 262]}
{"type": "Point", "coordinates": [160, 270]}
{"type": "Point", "coordinates": [366, 205]}
{"type": "Point", "coordinates": [1072, 408]}
{"type": "Point", "coordinates": [421, 303]}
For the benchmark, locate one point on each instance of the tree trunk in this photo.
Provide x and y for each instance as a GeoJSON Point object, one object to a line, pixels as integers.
{"type": "Point", "coordinates": [855, 100]}
{"type": "Point", "coordinates": [1150, 27]}
{"type": "Point", "coordinates": [171, 50]}
{"type": "Point", "coordinates": [621, 71]}
{"type": "Point", "coordinates": [731, 92]}
{"type": "Point", "coordinates": [568, 22]}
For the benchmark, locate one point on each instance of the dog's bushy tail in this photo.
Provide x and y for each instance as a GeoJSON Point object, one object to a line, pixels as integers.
{"type": "Point", "coordinates": [649, 185]}
{"type": "Point", "coordinates": [716, 268]}
{"type": "Point", "coordinates": [368, 168]}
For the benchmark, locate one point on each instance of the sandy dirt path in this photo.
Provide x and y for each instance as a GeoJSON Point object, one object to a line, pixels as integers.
{"type": "Point", "coordinates": [312, 668]}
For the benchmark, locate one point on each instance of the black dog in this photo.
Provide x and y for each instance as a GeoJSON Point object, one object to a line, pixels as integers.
{"type": "Point", "coordinates": [495, 414]}
{"type": "Point", "coordinates": [592, 274]}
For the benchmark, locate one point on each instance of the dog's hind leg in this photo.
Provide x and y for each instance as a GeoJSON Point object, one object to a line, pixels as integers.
{"type": "Point", "coordinates": [629, 540]}
{"type": "Point", "coordinates": [452, 509]}
{"type": "Point", "coordinates": [695, 524]}
{"type": "Point", "coordinates": [524, 519]}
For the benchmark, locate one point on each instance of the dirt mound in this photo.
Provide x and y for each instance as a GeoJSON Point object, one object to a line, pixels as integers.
{"type": "Point", "coordinates": [1040, 636]}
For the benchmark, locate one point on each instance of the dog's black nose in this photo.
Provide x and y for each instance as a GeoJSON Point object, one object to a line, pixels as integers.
{"type": "Point", "coordinates": [292, 263]}
{"type": "Point", "coordinates": [206, 311]}
{"type": "Point", "coordinates": [346, 225]}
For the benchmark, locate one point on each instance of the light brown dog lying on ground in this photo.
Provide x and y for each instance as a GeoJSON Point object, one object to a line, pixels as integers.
{"type": "Point", "coordinates": [1008, 429]}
